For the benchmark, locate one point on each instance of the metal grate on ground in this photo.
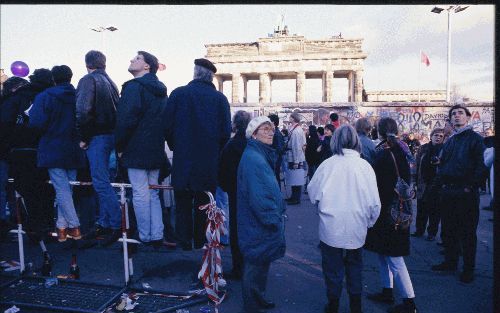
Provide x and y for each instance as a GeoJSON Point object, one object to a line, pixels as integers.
{"type": "Point", "coordinates": [153, 301]}
{"type": "Point", "coordinates": [6, 280]}
{"type": "Point", "coordinates": [68, 296]}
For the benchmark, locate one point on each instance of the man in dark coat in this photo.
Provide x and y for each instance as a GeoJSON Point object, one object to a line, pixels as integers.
{"type": "Point", "coordinates": [53, 114]}
{"type": "Point", "coordinates": [199, 106]}
{"type": "Point", "coordinates": [96, 99]}
{"type": "Point", "coordinates": [228, 172]}
{"type": "Point", "coordinates": [140, 142]}
{"type": "Point", "coordinates": [278, 145]}
{"type": "Point", "coordinates": [460, 171]}
{"type": "Point", "coordinates": [427, 189]}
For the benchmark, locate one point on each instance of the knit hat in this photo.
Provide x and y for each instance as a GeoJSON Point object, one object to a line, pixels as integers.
{"type": "Point", "coordinates": [255, 123]}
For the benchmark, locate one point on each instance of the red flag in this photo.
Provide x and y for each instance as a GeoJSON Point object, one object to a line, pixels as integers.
{"type": "Point", "coordinates": [424, 59]}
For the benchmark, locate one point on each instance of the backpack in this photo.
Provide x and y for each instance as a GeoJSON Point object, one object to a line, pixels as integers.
{"type": "Point", "coordinates": [401, 208]}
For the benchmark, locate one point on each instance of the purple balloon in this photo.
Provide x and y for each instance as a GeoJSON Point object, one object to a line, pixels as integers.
{"type": "Point", "coordinates": [19, 68]}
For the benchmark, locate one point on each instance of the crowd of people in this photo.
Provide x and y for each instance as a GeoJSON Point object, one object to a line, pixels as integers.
{"type": "Point", "coordinates": [53, 131]}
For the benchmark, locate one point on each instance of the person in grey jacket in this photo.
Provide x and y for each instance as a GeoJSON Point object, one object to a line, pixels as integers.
{"type": "Point", "coordinates": [296, 158]}
{"type": "Point", "coordinates": [140, 142]}
{"type": "Point", "coordinates": [96, 99]}
{"type": "Point", "coordinates": [363, 128]}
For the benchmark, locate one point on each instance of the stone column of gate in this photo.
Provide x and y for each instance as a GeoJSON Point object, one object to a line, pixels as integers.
{"type": "Point", "coordinates": [219, 83]}
{"type": "Point", "coordinates": [350, 83]}
{"type": "Point", "coordinates": [235, 87]}
{"type": "Point", "coordinates": [327, 86]}
{"type": "Point", "coordinates": [245, 89]}
{"type": "Point", "coordinates": [300, 87]}
{"type": "Point", "coordinates": [264, 88]}
{"type": "Point", "coordinates": [358, 86]}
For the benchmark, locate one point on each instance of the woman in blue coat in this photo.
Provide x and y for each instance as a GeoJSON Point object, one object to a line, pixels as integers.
{"type": "Point", "coordinates": [261, 226]}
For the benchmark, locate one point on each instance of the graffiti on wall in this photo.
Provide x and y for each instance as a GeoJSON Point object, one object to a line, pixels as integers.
{"type": "Point", "coordinates": [410, 119]}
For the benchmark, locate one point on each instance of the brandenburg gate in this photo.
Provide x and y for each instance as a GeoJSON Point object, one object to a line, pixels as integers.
{"type": "Point", "coordinates": [284, 56]}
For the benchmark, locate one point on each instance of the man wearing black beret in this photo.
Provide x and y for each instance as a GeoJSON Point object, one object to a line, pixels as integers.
{"type": "Point", "coordinates": [196, 106]}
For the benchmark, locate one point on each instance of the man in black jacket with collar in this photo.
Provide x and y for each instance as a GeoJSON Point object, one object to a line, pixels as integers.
{"type": "Point", "coordinates": [460, 172]}
{"type": "Point", "coordinates": [96, 99]}
{"type": "Point", "coordinates": [140, 142]}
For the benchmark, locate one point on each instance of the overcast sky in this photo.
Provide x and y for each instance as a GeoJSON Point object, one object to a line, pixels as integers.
{"type": "Point", "coordinates": [48, 35]}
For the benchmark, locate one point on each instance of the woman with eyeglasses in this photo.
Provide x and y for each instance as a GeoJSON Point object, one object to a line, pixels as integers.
{"type": "Point", "coordinates": [261, 225]}
{"type": "Point", "coordinates": [427, 190]}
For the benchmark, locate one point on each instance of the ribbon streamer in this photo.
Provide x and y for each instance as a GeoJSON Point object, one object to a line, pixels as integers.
{"type": "Point", "coordinates": [211, 269]}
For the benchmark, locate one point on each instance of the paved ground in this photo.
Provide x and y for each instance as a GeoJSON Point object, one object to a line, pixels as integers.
{"type": "Point", "coordinates": [295, 282]}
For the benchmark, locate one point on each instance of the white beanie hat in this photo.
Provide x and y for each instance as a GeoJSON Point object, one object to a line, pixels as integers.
{"type": "Point", "coordinates": [255, 123]}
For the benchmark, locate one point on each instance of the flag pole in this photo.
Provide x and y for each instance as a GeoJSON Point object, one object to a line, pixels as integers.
{"type": "Point", "coordinates": [418, 77]}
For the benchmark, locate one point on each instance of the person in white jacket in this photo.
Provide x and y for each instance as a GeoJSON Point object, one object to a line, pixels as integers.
{"type": "Point", "coordinates": [345, 189]}
{"type": "Point", "coordinates": [489, 160]}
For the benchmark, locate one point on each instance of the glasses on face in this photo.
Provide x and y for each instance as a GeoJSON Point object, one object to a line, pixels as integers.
{"type": "Point", "coordinates": [266, 130]}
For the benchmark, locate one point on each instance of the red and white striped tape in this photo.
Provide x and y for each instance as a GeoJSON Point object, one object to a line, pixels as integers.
{"type": "Point", "coordinates": [211, 269]}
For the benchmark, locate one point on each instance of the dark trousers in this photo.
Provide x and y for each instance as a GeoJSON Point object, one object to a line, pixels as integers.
{"type": "Point", "coordinates": [253, 285]}
{"type": "Point", "coordinates": [460, 216]}
{"type": "Point", "coordinates": [189, 220]}
{"type": "Point", "coordinates": [233, 234]}
{"type": "Point", "coordinates": [428, 210]}
{"type": "Point", "coordinates": [31, 183]}
{"type": "Point", "coordinates": [296, 193]}
{"type": "Point", "coordinates": [338, 262]}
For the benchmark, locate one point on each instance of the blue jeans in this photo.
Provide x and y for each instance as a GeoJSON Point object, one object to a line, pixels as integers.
{"type": "Point", "coordinates": [66, 213]}
{"type": "Point", "coordinates": [222, 201]}
{"type": "Point", "coordinates": [393, 271]}
{"type": "Point", "coordinates": [4, 176]}
{"type": "Point", "coordinates": [147, 205]}
{"type": "Point", "coordinates": [336, 262]}
{"type": "Point", "coordinates": [98, 153]}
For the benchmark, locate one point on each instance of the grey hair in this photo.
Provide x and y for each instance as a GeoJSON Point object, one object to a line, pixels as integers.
{"type": "Point", "coordinates": [240, 120]}
{"type": "Point", "coordinates": [296, 117]}
{"type": "Point", "coordinates": [363, 126]}
{"type": "Point", "coordinates": [203, 73]}
{"type": "Point", "coordinates": [345, 137]}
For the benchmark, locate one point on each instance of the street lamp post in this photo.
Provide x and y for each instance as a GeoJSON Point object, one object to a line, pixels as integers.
{"type": "Point", "coordinates": [438, 10]}
{"type": "Point", "coordinates": [102, 30]}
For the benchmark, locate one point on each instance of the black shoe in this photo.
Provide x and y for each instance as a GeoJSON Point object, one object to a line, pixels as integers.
{"type": "Point", "coordinates": [405, 307]}
{"type": "Point", "coordinates": [97, 233]}
{"type": "Point", "coordinates": [444, 267]}
{"type": "Point", "coordinates": [440, 243]}
{"type": "Point", "coordinates": [430, 238]}
{"type": "Point", "coordinates": [332, 306]}
{"type": "Point", "coordinates": [292, 202]}
{"type": "Point", "coordinates": [417, 234]}
{"type": "Point", "coordinates": [157, 244]}
{"type": "Point", "coordinates": [467, 276]}
{"type": "Point", "coordinates": [383, 297]}
{"type": "Point", "coordinates": [233, 275]}
{"type": "Point", "coordinates": [111, 238]}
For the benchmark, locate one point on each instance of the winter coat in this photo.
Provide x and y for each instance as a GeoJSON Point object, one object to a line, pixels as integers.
{"type": "Point", "coordinates": [295, 145]}
{"type": "Point", "coordinates": [326, 150]}
{"type": "Point", "coordinates": [368, 148]}
{"type": "Point", "coordinates": [312, 156]}
{"type": "Point", "coordinates": [261, 226]}
{"type": "Point", "coordinates": [383, 238]}
{"type": "Point", "coordinates": [346, 189]}
{"type": "Point", "coordinates": [279, 146]}
{"type": "Point", "coordinates": [461, 160]}
{"type": "Point", "coordinates": [14, 131]}
{"type": "Point", "coordinates": [53, 114]}
{"type": "Point", "coordinates": [96, 100]}
{"type": "Point", "coordinates": [229, 161]}
{"type": "Point", "coordinates": [140, 122]}
{"type": "Point", "coordinates": [425, 170]}
{"type": "Point", "coordinates": [197, 128]}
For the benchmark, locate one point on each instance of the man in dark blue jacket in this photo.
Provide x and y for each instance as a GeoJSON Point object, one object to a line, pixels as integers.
{"type": "Point", "coordinates": [53, 114]}
{"type": "Point", "coordinates": [199, 106]}
{"type": "Point", "coordinates": [96, 99]}
{"type": "Point", "coordinates": [140, 142]}
{"type": "Point", "coordinates": [460, 171]}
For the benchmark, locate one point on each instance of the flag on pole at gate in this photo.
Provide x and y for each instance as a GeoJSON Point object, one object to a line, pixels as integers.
{"type": "Point", "coordinates": [424, 59]}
